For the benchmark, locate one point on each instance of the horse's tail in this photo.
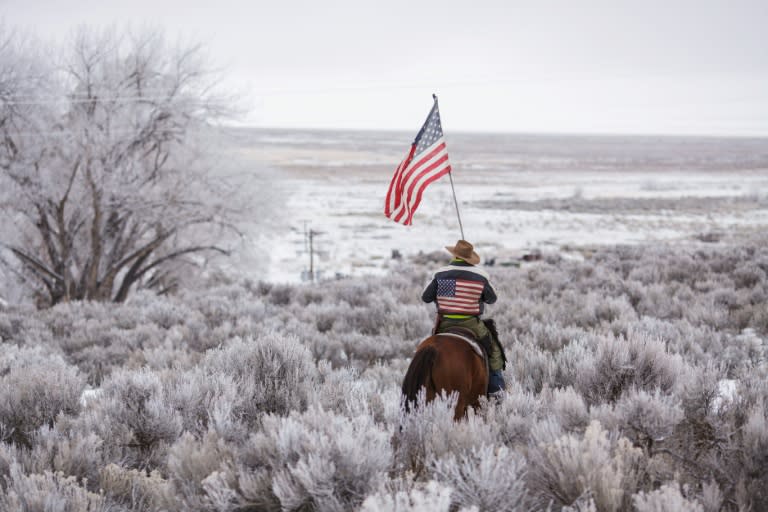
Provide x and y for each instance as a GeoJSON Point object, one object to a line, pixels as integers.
{"type": "Point", "coordinates": [419, 374]}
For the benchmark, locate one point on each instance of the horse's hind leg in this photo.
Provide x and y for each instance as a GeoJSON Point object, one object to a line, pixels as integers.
{"type": "Point", "coordinates": [461, 410]}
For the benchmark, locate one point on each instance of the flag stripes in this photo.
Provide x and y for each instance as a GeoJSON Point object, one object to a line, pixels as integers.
{"type": "Point", "coordinates": [426, 162]}
{"type": "Point", "coordinates": [394, 193]}
{"type": "Point", "coordinates": [412, 178]}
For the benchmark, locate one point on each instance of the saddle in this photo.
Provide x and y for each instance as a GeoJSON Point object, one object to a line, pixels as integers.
{"type": "Point", "coordinates": [482, 349]}
{"type": "Point", "coordinates": [484, 343]}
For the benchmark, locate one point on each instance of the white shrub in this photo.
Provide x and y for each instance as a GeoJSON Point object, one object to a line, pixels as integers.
{"type": "Point", "coordinates": [429, 432]}
{"type": "Point", "coordinates": [137, 490]}
{"type": "Point", "coordinates": [665, 499]}
{"type": "Point", "coordinates": [207, 400]}
{"type": "Point", "coordinates": [432, 497]}
{"type": "Point", "coordinates": [70, 453]}
{"type": "Point", "coordinates": [619, 364]}
{"type": "Point", "coordinates": [35, 387]}
{"type": "Point", "coordinates": [711, 497]}
{"type": "Point", "coordinates": [47, 492]}
{"type": "Point", "coordinates": [488, 477]}
{"type": "Point", "coordinates": [532, 367]}
{"type": "Point", "coordinates": [273, 373]}
{"type": "Point", "coordinates": [568, 406]}
{"type": "Point", "coordinates": [343, 391]}
{"type": "Point", "coordinates": [134, 419]}
{"type": "Point", "coordinates": [191, 462]}
{"type": "Point", "coordinates": [515, 416]}
{"type": "Point", "coordinates": [318, 460]}
{"type": "Point", "coordinates": [648, 417]}
{"type": "Point", "coordinates": [565, 469]}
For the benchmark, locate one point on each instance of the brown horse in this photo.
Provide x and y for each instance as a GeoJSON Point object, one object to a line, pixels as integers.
{"type": "Point", "coordinates": [445, 362]}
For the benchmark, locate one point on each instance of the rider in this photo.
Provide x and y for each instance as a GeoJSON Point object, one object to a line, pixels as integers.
{"type": "Point", "coordinates": [460, 290]}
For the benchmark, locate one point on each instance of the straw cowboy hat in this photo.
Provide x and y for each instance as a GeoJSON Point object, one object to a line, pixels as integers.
{"type": "Point", "coordinates": [465, 251]}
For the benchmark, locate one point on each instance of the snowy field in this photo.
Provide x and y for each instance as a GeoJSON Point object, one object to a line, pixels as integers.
{"type": "Point", "coordinates": [517, 194]}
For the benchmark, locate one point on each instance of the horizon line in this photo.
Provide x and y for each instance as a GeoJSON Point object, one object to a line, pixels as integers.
{"type": "Point", "coordinates": [712, 135]}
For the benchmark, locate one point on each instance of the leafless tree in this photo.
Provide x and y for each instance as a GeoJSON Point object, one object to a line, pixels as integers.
{"type": "Point", "coordinates": [105, 182]}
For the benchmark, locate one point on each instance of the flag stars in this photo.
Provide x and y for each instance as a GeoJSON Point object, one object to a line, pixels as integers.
{"type": "Point", "coordinates": [431, 132]}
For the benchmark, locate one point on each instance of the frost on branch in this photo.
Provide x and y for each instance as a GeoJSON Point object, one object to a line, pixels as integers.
{"type": "Point", "coordinates": [274, 374]}
{"type": "Point", "coordinates": [666, 499]}
{"type": "Point", "coordinates": [48, 491]}
{"type": "Point", "coordinates": [565, 469]}
{"type": "Point", "coordinates": [432, 497]}
{"type": "Point", "coordinates": [105, 184]}
{"type": "Point", "coordinates": [487, 477]}
{"type": "Point", "coordinates": [34, 389]}
{"type": "Point", "coordinates": [319, 460]}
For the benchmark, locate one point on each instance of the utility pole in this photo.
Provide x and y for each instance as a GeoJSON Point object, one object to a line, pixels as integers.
{"type": "Point", "coordinates": [311, 256]}
{"type": "Point", "coordinates": [311, 234]}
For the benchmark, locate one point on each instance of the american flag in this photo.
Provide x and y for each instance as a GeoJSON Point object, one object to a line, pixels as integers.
{"type": "Point", "coordinates": [459, 296]}
{"type": "Point", "coordinates": [427, 161]}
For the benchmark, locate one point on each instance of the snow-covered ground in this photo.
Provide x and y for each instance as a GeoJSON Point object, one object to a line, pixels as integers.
{"type": "Point", "coordinates": [516, 194]}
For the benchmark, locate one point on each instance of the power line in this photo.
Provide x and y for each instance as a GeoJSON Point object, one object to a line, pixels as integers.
{"type": "Point", "coordinates": [124, 99]}
{"type": "Point", "coordinates": [116, 131]}
{"type": "Point", "coordinates": [64, 133]}
{"type": "Point", "coordinates": [84, 95]}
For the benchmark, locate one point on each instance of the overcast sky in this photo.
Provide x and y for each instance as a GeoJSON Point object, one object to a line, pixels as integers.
{"type": "Point", "coordinates": [646, 66]}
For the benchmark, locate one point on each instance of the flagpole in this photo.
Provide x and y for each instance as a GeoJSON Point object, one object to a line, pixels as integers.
{"type": "Point", "coordinates": [456, 203]}
{"type": "Point", "coordinates": [453, 189]}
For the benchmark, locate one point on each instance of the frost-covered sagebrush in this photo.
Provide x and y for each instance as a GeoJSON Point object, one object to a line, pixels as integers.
{"type": "Point", "coordinates": [637, 380]}
{"type": "Point", "coordinates": [487, 477]}
{"type": "Point", "coordinates": [35, 387]}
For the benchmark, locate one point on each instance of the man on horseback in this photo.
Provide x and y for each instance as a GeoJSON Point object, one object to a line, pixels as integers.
{"type": "Point", "coordinates": [460, 291]}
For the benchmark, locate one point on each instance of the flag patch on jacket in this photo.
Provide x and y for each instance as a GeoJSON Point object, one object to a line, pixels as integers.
{"type": "Point", "coordinates": [459, 296]}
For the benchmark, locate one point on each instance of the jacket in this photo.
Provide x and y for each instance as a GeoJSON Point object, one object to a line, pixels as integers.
{"type": "Point", "coordinates": [460, 289]}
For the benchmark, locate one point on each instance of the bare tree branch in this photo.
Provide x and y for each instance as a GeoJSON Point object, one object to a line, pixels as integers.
{"type": "Point", "coordinates": [120, 190]}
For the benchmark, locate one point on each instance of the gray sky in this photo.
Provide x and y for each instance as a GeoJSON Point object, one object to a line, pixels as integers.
{"type": "Point", "coordinates": [650, 66]}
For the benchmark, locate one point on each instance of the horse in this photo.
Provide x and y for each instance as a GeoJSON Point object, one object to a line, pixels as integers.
{"type": "Point", "coordinates": [447, 362]}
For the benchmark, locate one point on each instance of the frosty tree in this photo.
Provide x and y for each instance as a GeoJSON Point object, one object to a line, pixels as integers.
{"type": "Point", "coordinates": [104, 182]}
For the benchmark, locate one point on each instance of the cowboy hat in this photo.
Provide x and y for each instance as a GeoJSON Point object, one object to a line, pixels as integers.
{"type": "Point", "coordinates": [464, 251]}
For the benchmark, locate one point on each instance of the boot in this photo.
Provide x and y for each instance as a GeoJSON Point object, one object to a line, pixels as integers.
{"type": "Point", "coordinates": [496, 385]}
